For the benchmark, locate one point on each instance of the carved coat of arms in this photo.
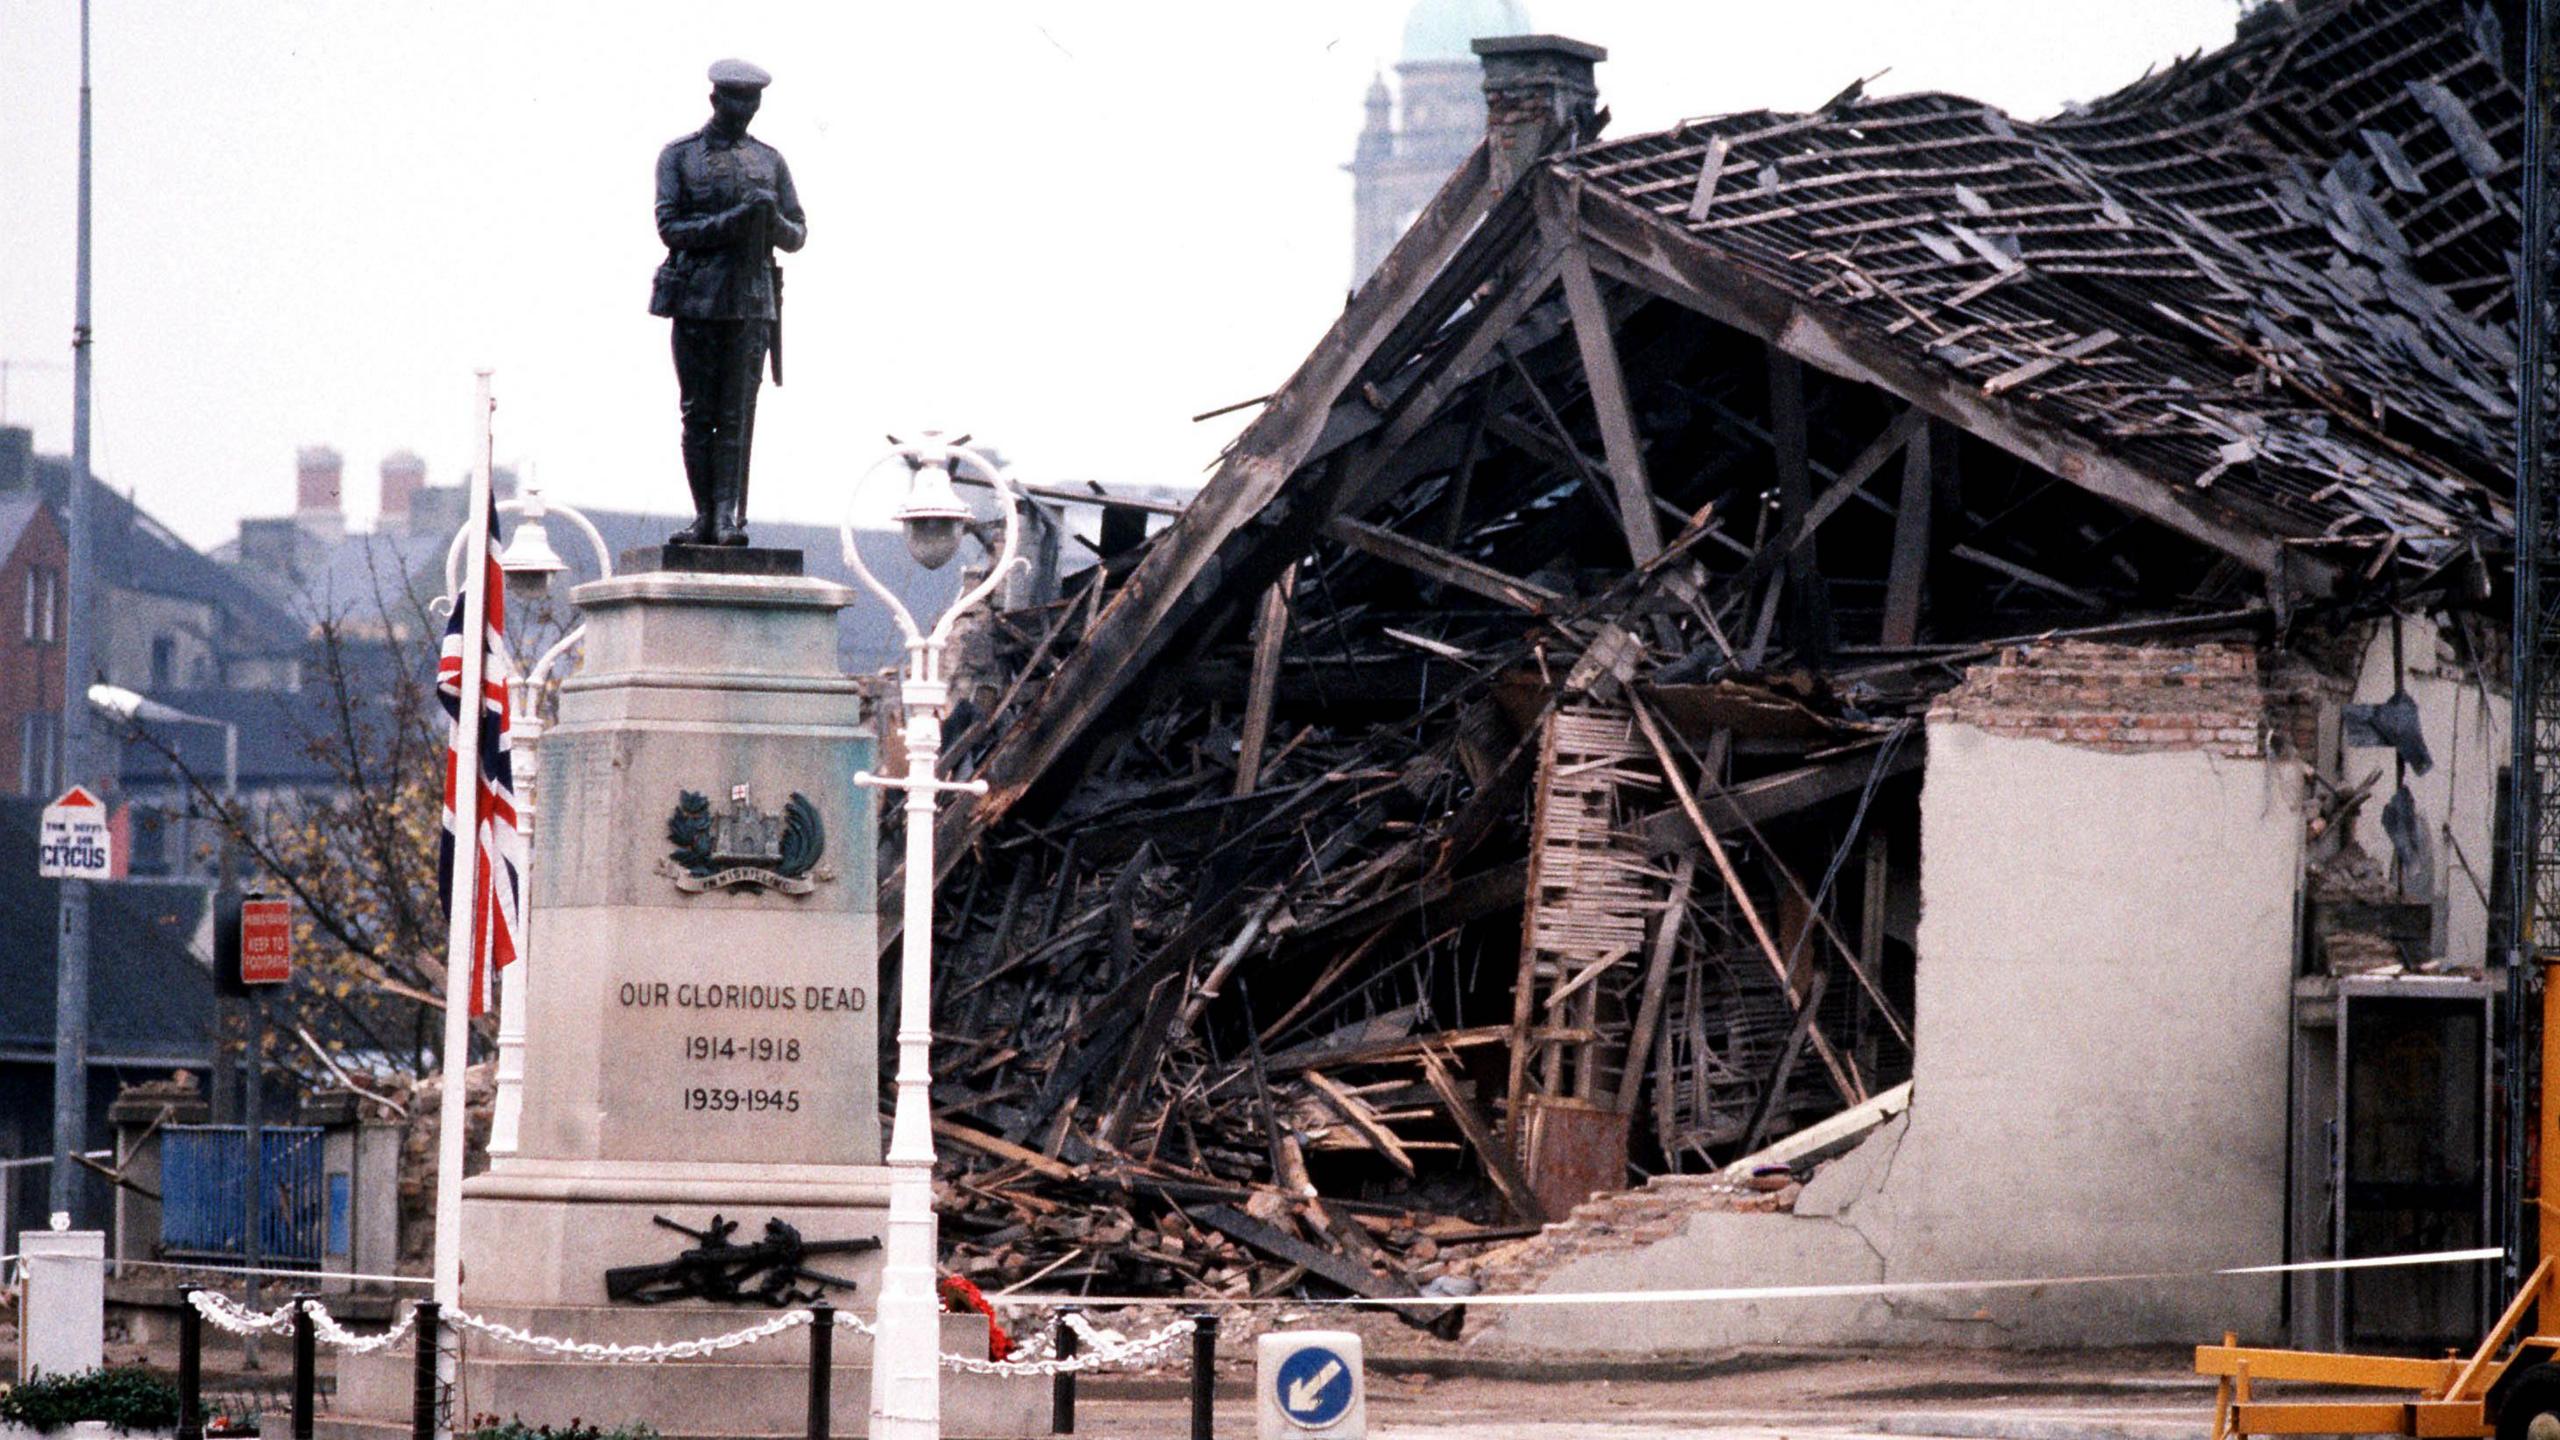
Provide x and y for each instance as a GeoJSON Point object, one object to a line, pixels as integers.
{"type": "Point", "coordinates": [741, 847]}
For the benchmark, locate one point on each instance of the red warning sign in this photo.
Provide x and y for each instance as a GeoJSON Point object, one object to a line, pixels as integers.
{"type": "Point", "coordinates": [266, 942]}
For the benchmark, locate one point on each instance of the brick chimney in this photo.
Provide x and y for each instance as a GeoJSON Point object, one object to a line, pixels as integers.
{"type": "Point", "coordinates": [317, 475]}
{"type": "Point", "coordinates": [1539, 95]}
{"type": "Point", "coordinates": [403, 476]}
{"type": "Point", "coordinates": [272, 548]}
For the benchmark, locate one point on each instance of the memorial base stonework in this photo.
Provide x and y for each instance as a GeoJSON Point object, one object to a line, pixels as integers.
{"type": "Point", "coordinates": [701, 1043]}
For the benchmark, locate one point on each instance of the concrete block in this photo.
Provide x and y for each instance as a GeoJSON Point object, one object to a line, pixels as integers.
{"type": "Point", "coordinates": [65, 1327]}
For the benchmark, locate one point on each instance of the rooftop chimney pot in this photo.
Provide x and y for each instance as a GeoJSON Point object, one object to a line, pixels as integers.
{"type": "Point", "coordinates": [403, 476]}
{"type": "Point", "coordinates": [1540, 94]}
{"type": "Point", "coordinates": [317, 472]}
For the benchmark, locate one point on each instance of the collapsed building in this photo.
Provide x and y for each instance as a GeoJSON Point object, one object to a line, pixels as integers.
{"type": "Point", "coordinates": [1973, 644]}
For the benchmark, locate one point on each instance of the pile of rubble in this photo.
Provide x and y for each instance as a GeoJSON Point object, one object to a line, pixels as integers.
{"type": "Point", "coordinates": [1501, 782]}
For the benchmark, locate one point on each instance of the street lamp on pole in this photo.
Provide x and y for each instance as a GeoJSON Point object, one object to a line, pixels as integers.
{"type": "Point", "coordinates": [136, 711]}
{"type": "Point", "coordinates": [528, 562]}
{"type": "Point", "coordinates": [906, 1359]}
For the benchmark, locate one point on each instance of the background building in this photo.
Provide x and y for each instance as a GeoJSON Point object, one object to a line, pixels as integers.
{"type": "Point", "coordinates": [1414, 136]}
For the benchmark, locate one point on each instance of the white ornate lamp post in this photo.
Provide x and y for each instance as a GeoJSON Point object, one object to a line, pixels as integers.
{"type": "Point", "coordinates": [906, 1376]}
{"type": "Point", "coordinates": [529, 562]}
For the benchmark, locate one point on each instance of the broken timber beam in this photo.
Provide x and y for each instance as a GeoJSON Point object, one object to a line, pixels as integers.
{"type": "Point", "coordinates": [1356, 1113]}
{"type": "Point", "coordinates": [1270, 627]}
{"type": "Point", "coordinates": [1842, 1075]}
{"type": "Point", "coordinates": [1456, 571]}
{"type": "Point", "coordinates": [1910, 564]}
{"type": "Point", "coordinates": [1506, 1177]}
{"type": "Point", "coordinates": [1598, 344]}
{"type": "Point", "coordinates": [1657, 983]}
{"type": "Point", "coordinates": [1288, 1249]}
{"type": "Point", "coordinates": [1774, 797]}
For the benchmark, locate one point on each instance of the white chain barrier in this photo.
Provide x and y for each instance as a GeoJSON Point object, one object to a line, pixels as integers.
{"type": "Point", "coordinates": [325, 1326]}
{"type": "Point", "coordinates": [632, 1354]}
{"type": "Point", "coordinates": [239, 1319]}
{"type": "Point", "coordinates": [1102, 1347]}
{"type": "Point", "coordinates": [1106, 1349]}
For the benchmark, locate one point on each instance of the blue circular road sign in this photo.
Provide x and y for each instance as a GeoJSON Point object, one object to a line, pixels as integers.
{"type": "Point", "coordinates": [1314, 1386]}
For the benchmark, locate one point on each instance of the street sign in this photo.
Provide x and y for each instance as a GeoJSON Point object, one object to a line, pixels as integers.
{"type": "Point", "coordinates": [1311, 1384]}
{"type": "Point", "coordinates": [74, 842]}
{"type": "Point", "coordinates": [266, 942]}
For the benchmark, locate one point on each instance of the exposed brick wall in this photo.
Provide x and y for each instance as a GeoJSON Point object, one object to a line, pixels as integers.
{"type": "Point", "coordinates": [1625, 1220]}
{"type": "Point", "coordinates": [2118, 697]}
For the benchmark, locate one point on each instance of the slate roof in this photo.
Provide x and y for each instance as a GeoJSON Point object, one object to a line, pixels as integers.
{"type": "Point", "coordinates": [275, 739]}
{"type": "Point", "coordinates": [149, 999]}
{"type": "Point", "coordinates": [2211, 301]}
{"type": "Point", "coordinates": [132, 550]}
{"type": "Point", "coordinates": [16, 512]}
{"type": "Point", "coordinates": [350, 573]}
{"type": "Point", "coordinates": [2277, 272]}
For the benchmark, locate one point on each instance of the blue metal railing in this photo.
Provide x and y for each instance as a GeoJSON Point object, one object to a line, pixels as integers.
{"type": "Point", "coordinates": [202, 1209]}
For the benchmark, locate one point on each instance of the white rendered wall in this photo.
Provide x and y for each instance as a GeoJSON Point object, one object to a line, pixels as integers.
{"type": "Point", "coordinates": [2105, 961]}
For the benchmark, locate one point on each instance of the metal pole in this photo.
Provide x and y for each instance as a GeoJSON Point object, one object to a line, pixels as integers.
{"type": "Point", "coordinates": [226, 876]}
{"type": "Point", "coordinates": [906, 1376]}
{"type": "Point", "coordinates": [822, 1369]}
{"type": "Point", "coordinates": [524, 747]}
{"type": "Point", "coordinates": [2532, 687]}
{"type": "Point", "coordinates": [1204, 1372]}
{"type": "Point", "coordinates": [306, 1365]}
{"type": "Point", "coordinates": [1062, 1386]}
{"type": "Point", "coordinates": [71, 948]}
{"type": "Point", "coordinates": [462, 925]}
{"type": "Point", "coordinates": [253, 1157]}
{"type": "Point", "coordinates": [190, 1366]}
{"type": "Point", "coordinates": [424, 1370]}
{"type": "Point", "coordinates": [906, 1389]}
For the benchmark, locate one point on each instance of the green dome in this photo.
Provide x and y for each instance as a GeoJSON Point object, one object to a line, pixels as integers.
{"type": "Point", "coordinates": [1440, 29]}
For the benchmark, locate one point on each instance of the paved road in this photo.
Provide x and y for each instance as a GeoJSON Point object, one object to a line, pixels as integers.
{"type": "Point", "coordinates": [2089, 1407]}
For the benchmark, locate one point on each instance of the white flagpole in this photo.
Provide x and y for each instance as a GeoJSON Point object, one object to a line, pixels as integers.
{"type": "Point", "coordinates": [466, 866]}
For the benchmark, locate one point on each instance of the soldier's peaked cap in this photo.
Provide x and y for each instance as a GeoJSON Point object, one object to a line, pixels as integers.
{"type": "Point", "coordinates": [740, 74]}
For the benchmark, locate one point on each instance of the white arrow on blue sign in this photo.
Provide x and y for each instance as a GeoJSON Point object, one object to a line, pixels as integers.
{"type": "Point", "coordinates": [1315, 1386]}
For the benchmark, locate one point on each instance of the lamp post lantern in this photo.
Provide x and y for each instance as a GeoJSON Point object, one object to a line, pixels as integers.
{"type": "Point", "coordinates": [528, 561]}
{"type": "Point", "coordinates": [906, 1377]}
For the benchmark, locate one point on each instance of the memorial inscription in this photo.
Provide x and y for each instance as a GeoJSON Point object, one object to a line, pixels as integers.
{"type": "Point", "coordinates": [739, 1049]}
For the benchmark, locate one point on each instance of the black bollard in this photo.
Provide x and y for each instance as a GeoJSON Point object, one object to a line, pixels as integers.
{"type": "Point", "coordinates": [306, 1367]}
{"type": "Point", "coordinates": [822, 1368]}
{"type": "Point", "coordinates": [190, 1366]}
{"type": "Point", "coordinates": [1062, 1386]}
{"type": "Point", "coordinates": [1204, 1372]}
{"type": "Point", "coordinates": [422, 1381]}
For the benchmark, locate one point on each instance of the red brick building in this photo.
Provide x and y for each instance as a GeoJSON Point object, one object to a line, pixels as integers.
{"type": "Point", "coordinates": [31, 619]}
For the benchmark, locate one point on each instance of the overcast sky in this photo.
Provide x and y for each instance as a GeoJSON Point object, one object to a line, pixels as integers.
{"type": "Point", "coordinates": [1064, 226]}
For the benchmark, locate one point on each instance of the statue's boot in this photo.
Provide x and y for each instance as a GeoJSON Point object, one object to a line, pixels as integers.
{"type": "Point", "coordinates": [698, 464]}
{"type": "Point", "coordinates": [729, 497]}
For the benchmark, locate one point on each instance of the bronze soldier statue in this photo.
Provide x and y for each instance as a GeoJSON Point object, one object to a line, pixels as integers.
{"type": "Point", "coordinates": [725, 204]}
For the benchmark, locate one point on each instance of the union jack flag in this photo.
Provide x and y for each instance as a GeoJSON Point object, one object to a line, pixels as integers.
{"type": "Point", "coordinates": [498, 887]}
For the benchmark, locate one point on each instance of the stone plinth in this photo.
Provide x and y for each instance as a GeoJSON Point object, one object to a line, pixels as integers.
{"type": "Point", "coordinates": [701, 1035]}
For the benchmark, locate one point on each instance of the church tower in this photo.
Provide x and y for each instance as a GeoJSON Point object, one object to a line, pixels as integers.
{"type": "Point", "coordinates": [1412, 139]}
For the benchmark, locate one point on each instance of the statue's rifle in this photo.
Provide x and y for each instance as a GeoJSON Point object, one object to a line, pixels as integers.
{"type": "Point", "coordinates": [717, 1268]}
